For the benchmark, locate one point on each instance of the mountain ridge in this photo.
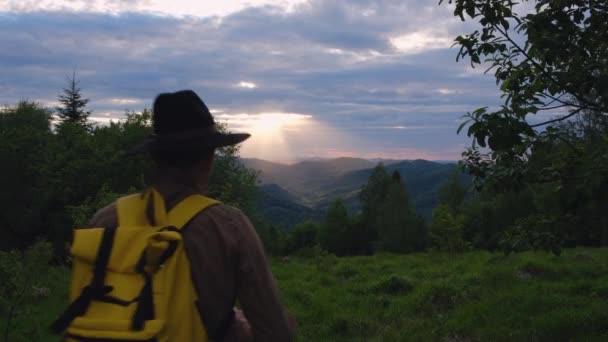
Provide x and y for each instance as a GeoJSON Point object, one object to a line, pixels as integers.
{"type": "Point", "coordinates": [303, 190]}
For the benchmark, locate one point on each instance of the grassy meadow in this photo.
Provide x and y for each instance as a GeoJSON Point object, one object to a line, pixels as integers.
{"type": "Point", "coordinates": [475, 296]}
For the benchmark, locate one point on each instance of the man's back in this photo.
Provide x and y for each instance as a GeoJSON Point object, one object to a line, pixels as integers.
{"type": "Point", "coordinates": [227, 264]}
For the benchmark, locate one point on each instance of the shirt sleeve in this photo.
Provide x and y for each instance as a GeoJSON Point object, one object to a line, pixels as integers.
{"type": "Point", "coordinates": [257, 291]}
{"type": "Point", "coordinates": [227, 264]}
{"type": "Point", "coordinates": [104, 217]}
{"type": "Point", "coordinates": [209, 246]}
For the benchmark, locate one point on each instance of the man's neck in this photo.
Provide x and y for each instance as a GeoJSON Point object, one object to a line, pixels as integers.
{"type": "Point", "coordinates": [166, 176]}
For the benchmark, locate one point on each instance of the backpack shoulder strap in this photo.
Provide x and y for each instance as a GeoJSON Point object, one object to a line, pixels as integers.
{"type": "Point", "coordinates": [129, 210]}
{"type": "Point", "coordinates": [189, 207]}
{"type": "Point", "coordinates": [133, 209]}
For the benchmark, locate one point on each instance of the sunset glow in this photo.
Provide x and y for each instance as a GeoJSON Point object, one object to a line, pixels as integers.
{"type": "Point", "coordinates": [354, 77]}
{"type": "Point", "coordinates": [269, 132]}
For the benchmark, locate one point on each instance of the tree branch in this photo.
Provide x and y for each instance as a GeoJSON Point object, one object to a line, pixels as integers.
{"type": "Point", "coordinates": [579, 97]}
{"type": "Point", "coordinates": [557, 99]}
{"type": "Point", "coordinates": [559, 119]}
{"type": "Point", "coordinates": [554, 99]}
{"type": "Point", "coordinates": [554, 107]}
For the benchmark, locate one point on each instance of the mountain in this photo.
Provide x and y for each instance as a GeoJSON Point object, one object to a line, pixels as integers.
{"type": "Point", "coordinates": [267, 169]}
{"type": "Point", "coordinates": [293, 193]}
{"type": "Point", "coordinates": [305, 167]}
{"type": "Point", "coordinates": [307, 179]}
{"type": "Point", "coordinates": [282, 207]}
{"type": "Point", "coordinates": [422, 179]}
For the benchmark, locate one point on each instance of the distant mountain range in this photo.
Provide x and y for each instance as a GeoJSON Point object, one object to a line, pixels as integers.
{"type": "Point", "coordinates": [289, 194]}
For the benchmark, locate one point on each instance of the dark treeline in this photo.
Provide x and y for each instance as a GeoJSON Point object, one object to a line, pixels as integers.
{"type": "Point", "coordinates": [532, 188]}
{"type": "Point", "coordinates": [55, 175]}
{"type": "Point", "coordinates": [546, 213]}
{"type": "Point", "coordinates": [387, 222]}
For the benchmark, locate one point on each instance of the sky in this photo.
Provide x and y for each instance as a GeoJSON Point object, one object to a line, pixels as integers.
{"type": "Point", "coordinates": [308, 78]}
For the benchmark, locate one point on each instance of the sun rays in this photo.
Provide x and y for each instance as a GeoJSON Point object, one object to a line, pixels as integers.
{"type": "Point", "coordinates": [282, 136]}
{"type": "Point", "coordinates": [269, 132]}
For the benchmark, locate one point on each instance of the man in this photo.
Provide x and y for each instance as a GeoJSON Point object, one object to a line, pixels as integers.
{"type": "Point", "coordinates": [226, 256]}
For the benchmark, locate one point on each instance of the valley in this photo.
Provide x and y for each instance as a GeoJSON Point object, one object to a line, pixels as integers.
{"type": "Point", "coordinates": [290, 194]}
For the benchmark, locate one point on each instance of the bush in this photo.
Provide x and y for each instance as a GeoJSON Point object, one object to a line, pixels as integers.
{"type": "Point", "coordinates": [82, 213]}
{"type": "Point", "coordinates": [526, 236]}
{"type": "Point", "coordinates": [325, 262]}
{"type": "Point", "coordinates": [22, 281]}
{"type": "Point", "coordinates": [447, 230]}
{"type": "Point", "coordinates": [310, 252]}
{"type": "Point", "coordinates": [304, 235]}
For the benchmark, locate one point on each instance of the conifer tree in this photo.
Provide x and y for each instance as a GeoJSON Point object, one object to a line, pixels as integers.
{"type": "Point", "coordinates": [400, 229]}
{"type": "Point", "coordinates": [73, 105]}
{"type": "Point", "coordinates": [334, 234]}
{"type": "Point", "coordinates": [452, 193]}
{"type": "Point", "coordinates": [372, 197]}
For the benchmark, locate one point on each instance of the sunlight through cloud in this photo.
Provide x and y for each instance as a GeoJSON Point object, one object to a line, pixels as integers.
{"type": "Point", "coordinates": [446, 91]}
{"type": "Point", "coordinates": [248, 85]}
{"type": "Point", "coordinates": [268, 131]}
{"type": "Point", "coordinates": [421, 41]}
{"type": "Point", "coordinates": [281, 136]}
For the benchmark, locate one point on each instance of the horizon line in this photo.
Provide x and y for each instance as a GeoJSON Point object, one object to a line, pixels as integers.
{"type": "Point", "coordinates": [379, 159]}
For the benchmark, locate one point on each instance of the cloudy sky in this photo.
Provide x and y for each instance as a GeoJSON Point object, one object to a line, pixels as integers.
{"type": "Point", "coordinates": [306, 78]}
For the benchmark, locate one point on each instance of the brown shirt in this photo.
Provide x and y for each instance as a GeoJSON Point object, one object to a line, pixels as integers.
{"type": "Point", "coordinates": [227, 264]}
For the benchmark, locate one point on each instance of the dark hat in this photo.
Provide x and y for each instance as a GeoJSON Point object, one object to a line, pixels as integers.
{"type": "Point", "coordinates": [181, 120]}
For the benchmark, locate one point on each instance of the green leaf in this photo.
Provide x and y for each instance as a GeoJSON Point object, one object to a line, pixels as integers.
{"type": "Point", "coordinates": [462, 125]}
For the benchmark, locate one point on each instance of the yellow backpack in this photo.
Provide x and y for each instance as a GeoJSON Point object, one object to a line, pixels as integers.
{"type": "Point", "coordinates": [132, 282]}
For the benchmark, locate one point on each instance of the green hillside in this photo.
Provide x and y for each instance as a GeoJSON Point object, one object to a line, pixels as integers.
{"type": "Point", "coordinates": [292, 193]}
{"type": "Point", "coordinates": [476, 296]}
{"type": "Point", "coordinates": [308, 178]}
{"type": "Point", "coordinates": [422, 180]}
{"type": "Point", "coordinates": [281, 207]}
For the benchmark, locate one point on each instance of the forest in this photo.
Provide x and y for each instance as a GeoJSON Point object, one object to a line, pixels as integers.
{"type": "Point", "coordinates": [528, 201]}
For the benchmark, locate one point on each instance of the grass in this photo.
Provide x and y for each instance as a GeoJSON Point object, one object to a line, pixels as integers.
{"type": "Point", "coordinates": [476, 296]}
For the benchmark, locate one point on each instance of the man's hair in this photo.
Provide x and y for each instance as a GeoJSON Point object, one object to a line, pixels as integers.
{"type": "Point", "coordinates": [183, 158]}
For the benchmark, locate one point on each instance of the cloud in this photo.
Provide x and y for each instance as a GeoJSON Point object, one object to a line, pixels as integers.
{"type": "Point", "coordinates": [178, 8]}
{"type": "Point", "coordinates": [420, 41]}
{"type": "Point", "coordinates": [248, 85]}
{"type": "Point", "coordinates": [347, 64]}
{"type": "Point", "coordinates": [123, 101]}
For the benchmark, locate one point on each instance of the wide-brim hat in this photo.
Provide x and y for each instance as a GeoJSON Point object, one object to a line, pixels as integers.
{"type": "Point", "coordinates": [182, 121]}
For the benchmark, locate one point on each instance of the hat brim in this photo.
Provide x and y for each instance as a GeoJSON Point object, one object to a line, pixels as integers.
{"type": "Point", "coordinates": [217, 140]}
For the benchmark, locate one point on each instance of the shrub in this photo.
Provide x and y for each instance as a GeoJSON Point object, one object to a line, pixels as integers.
{"type": "Point", "coordinates": [447, 230]}
{"type": "Point", "coordinates": [304, 235]}
{"type": "Point", "coordinates": [22, 276]}
{"type": "Point", "coordinates": [525, 235]}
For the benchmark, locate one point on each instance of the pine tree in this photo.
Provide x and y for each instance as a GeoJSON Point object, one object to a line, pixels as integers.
{"type": "Point", "coordinates": [372, 196]}
{"type": "Point", "coordinates": [400, 229]}
{"type": "Point", "coordinates": [73, 104]}
{"type": "Point", "coordinates": [452, 193]}
{"type": "Point", "coordinates": [334, 234]}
